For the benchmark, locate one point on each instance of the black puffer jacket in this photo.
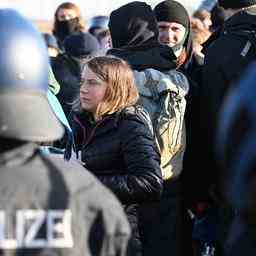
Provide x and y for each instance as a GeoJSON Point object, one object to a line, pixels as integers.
{"type": "Point", "coordinates": [120, 150]}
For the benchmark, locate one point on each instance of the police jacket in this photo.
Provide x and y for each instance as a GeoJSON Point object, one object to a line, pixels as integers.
{"type": "Point", "coordinates": [52, 207]}
{"type": "Point", "coordinates": [120, 150]}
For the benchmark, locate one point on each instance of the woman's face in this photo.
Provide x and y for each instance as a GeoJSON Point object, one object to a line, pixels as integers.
{"type": "Point", "coordinates": [66, 14]}
{"type": "Point", "coordinates": [171, 33]}
{"type": "Point", "coordinates": [92, 91]}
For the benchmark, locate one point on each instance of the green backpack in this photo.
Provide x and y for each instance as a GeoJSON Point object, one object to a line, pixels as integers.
{"type": "Point", "coordinates": [163, 96]}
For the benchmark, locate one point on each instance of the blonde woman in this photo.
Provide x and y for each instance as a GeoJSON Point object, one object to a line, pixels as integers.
{"type": "Point", "coordinates": [114, 137]}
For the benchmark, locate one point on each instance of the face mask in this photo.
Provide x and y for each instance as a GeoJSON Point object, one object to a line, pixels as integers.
{"type": "Point", "coordinates": [66, 27]}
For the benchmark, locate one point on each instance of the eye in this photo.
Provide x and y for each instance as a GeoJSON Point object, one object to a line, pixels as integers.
{"type": "Point", "coordinates": [175, 29]}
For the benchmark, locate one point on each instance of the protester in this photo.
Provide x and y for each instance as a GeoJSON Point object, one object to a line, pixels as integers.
{"type": "Point", "coordinates": [52, 45]}
{"type": "Point", "coordinates": [162, 91]}
{"type": "Point", "coordinates": [115, 139]}
{"type": "Point", "coordinates": [67, 21]}
{"type": "Point", "coordinates": [48, 206]}
{"type": "Point", "coordinates": [67, 67]}
{"type": "Point", "coordinates": [235, 43]}
{"type": "Point", "coordinates": [176, 32]}
{"type": "Point", "coordinates": [235, 150]}
{"type": "Point", "coordinates": [204, 16]}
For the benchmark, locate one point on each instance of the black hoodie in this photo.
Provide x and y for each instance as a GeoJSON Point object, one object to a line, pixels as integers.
{"type": "Point", "coordinates": [134, 34]}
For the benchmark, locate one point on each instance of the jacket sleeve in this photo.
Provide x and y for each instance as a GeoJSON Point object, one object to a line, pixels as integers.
{"type": "Point", "coordinates": [143, 181]}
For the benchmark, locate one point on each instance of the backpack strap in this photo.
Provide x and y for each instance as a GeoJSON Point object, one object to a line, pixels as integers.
{"type": "Point", "coordinates": [152, 85]}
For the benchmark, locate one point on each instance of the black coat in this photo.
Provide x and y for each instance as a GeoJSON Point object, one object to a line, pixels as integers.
{"type": "Point", "coordinates": [120, 150]}
{"type": "Point", "coordinates": [226, 57]}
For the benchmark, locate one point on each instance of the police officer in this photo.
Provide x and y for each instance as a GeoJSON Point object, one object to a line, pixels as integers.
{"type": "Point", "coordinates": [47, 206]}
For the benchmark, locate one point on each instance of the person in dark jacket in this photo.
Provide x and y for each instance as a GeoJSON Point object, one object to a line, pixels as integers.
{"type": "Point", "coordinates": [47, 206]}
{"type": "Point", "coordinates": [235, 151]}
{"type": "Point", "coordinates": [134, 33]}
{"type": "Point", "coordinates": [115, 140]}
{"type": "Point", "coordinates": [220, 74]}
{"type": "Point", "coordinates": [227, 54]}
{"type": "Point", "coordinates": [175, 31]}
{"type": "Point", "coordinates": [67, 21]}
{"type": "Point", "coordinates": [67, 67]}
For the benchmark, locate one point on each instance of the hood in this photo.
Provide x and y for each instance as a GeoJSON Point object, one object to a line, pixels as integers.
{"type": "Point", "coordinates": [159, 57]}
{"type": "Point", "coordinates": [133, 24]}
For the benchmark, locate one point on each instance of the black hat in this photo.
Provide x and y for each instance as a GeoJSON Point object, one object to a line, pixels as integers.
{"type": "Point", "coordinates": [172, 11]}
{"type": "Point", "coordinates": [81, 45]}
{"type": "Point", "coordinates": [236, 4]}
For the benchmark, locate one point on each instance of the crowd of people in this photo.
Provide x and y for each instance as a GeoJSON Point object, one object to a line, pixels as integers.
{"type": "Point", "coordinates": [132, 135]}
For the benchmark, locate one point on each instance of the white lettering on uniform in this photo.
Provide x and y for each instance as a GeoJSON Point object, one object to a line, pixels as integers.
{"type": "Point", "coordinates": [26, 227]}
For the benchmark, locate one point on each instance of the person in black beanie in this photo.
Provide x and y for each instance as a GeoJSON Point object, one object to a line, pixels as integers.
{"type": "Point", "coordinates": [174, 28]}
{"type": "Point", "coordinates": [134, 33]}
{"type": "Point", "coordinates": [175, 31]}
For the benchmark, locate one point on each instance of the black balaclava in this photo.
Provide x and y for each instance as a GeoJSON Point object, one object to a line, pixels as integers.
{"type": "Point", "coordinates": [66, 28]}
{"type": "Point", "coordinates": [172, 11]}
{"type": "Point", "coordinates": [133, 24]}
{"type": "Point", "coordinates": [236, 4]}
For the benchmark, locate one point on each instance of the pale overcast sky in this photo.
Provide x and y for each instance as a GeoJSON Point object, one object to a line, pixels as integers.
{"type": "Point", "coordinates": [44, 9]}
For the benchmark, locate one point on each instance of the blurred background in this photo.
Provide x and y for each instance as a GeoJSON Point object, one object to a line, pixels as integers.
{"type": "Point", "coordinates": [41, 12]}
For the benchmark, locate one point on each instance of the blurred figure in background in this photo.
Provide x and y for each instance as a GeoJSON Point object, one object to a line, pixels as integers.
{"type": "Point", "coordinates": [67, 66]}
{"type": "Point", "coordinates": [205, 17]}
{"type": "Point", "coordinates": [235, 41]}
{"type": "Point", "coordinates": [52, 45]}
{"type": "Point", "coordinates": [218, 15]}
{"type": "Point", "coordinates": [199, 35]}
{"type": "Point", "coordinates": [67, 21]}
{"type": "Point", "coordinates": [98, 26]}
{"type": "Point", "coordinates": [235, 150]}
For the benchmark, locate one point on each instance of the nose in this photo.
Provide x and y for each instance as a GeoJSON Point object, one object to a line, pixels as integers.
{"type": "Point", "coordinates": [84, 89]}
{"type": "Point", "coordinates": [167, 35]}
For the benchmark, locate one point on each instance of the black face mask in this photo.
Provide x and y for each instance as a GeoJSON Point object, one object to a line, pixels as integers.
{"type": "Point", "coordinates": [66, 27]}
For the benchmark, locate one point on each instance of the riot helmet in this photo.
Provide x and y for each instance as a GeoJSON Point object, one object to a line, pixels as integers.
{"type": "Point", "coordinates": [25, 112]}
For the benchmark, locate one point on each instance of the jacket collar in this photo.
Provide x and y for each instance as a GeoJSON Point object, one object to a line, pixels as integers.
{"type": "Point", "coordinates": [18, 155]}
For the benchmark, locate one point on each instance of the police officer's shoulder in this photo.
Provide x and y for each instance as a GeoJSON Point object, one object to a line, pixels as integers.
{"type": "Point", "coordinates": [80, 180]}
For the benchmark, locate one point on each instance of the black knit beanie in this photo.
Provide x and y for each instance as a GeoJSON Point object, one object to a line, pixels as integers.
{"type": "Point", "coordinates": [172, 11]}
{"type": "Point", "coordinates": [236, 4]}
